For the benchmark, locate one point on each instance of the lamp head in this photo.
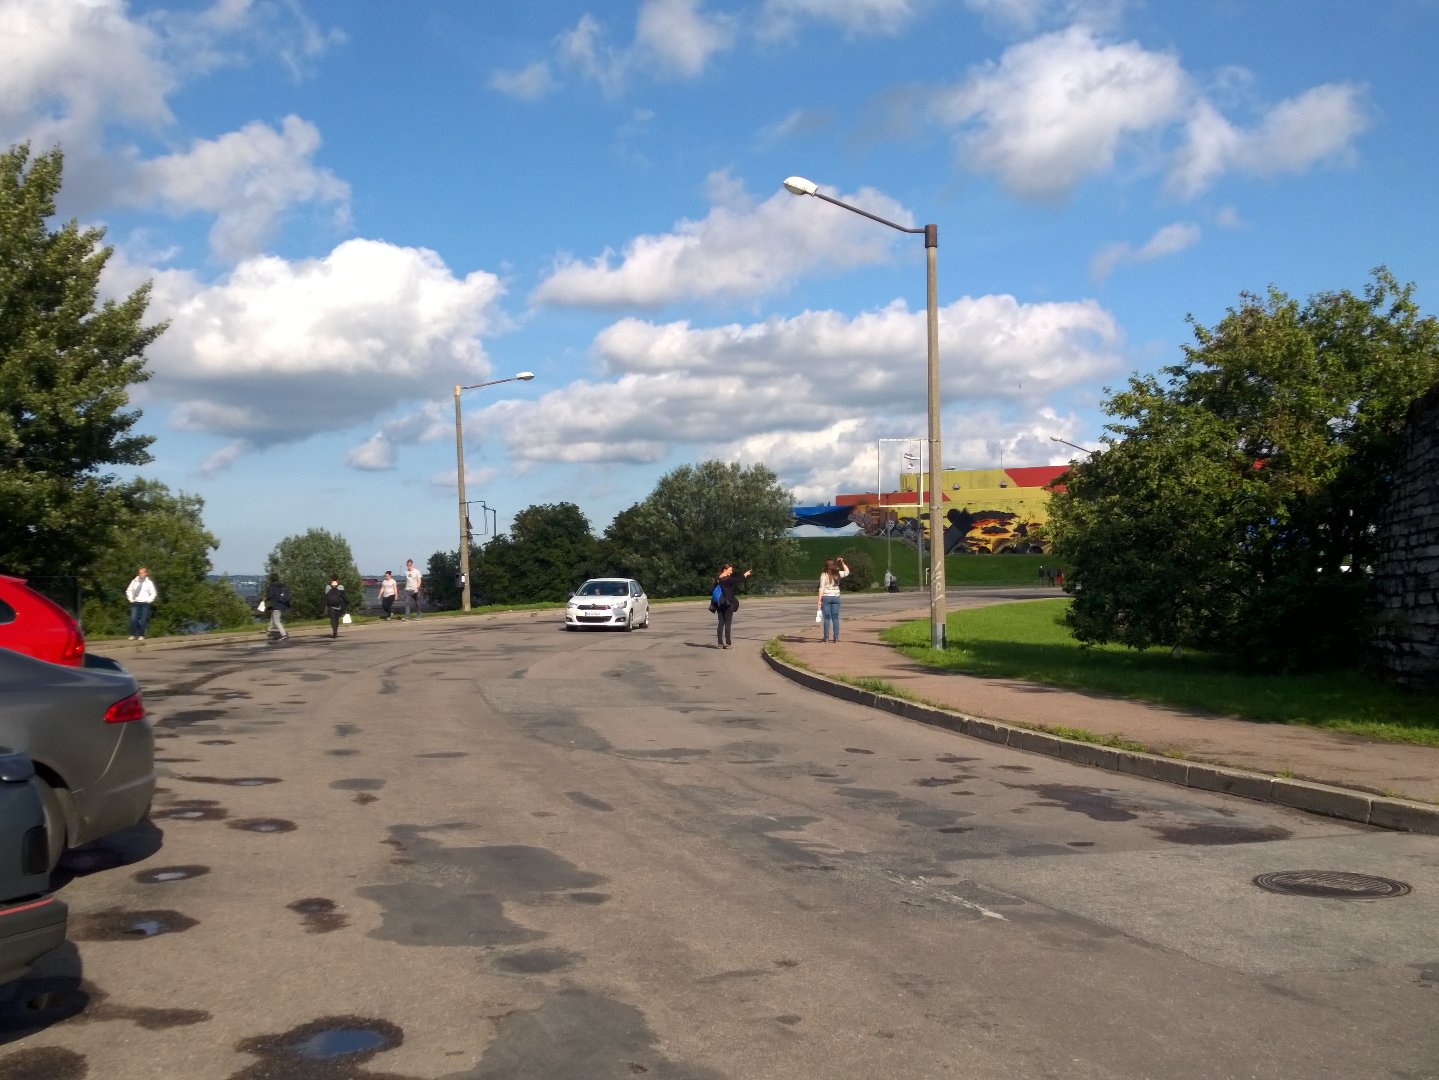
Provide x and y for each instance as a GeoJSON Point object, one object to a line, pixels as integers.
{"type": "Point", "coordinates": [798, 185]}
{"type": "Point", "coordinates": [525, 376]}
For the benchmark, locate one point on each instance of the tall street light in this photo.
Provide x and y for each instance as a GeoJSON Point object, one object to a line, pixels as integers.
{"type": "Point", "coordinates": [524, 376]}
{"type": "Point", "coordinates": [1066, 442]}
{"type": "Point", "coordinates": [798, 185]}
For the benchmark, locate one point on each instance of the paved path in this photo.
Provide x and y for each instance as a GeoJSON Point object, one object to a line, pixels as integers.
{"type": "Point", "coordinates": [1275, 750]}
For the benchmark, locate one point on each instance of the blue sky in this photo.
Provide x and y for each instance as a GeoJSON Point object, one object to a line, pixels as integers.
{"type": "Point", "coordinates": [348, 206]}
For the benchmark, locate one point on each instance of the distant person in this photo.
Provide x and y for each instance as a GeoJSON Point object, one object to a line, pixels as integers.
{"type": "Point", "coordinates": [413, 583]}
{"type": "Point", "coordinates": [891, 583]}
{"type": "Point", "coordinates": [337, 604]}
{"type": "Point", "coordinates": [141, 593]}
{"type": "Point", "coordinates": [277, 599]}
{"type": "Point", "coordinates": [834, 571]}
{"type": "Point", "coordinates": [727, 582]}
{"type": "Point", "coordinates": [389, 590]}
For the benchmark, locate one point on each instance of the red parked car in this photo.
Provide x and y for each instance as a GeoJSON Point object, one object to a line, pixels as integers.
{"type": "Point", "coordinates": [37, 626]}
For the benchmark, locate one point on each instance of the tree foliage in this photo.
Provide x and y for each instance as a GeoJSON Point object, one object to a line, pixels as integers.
{"type": "Point", "coordinates": [1235, 506]}
{"type": "Point", "coordinates": [165, 534]}
{"type": "Point", "coordinates": [698, 518]}
{"type": "Point", "coordinates": [66, 362]}
{"type": "Point", "coordinates": [549, 550]}
{"type": "Point", "coordinates": [305, 564]}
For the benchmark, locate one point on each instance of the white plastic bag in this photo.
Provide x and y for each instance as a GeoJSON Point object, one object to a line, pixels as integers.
{"type": "Point", "coordinates": [261, 608]}
{"type": "Point", "coordinates": [819, 615]}
{"type": "Point", "coordinates": [345, 618]}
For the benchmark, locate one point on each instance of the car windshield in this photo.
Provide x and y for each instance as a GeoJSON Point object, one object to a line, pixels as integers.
{"type": "Point", "coordinates": [604, 588]}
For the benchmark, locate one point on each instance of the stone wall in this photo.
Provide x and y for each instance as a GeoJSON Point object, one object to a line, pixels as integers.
{"type": "Point", "coordinates": [1407, 577]}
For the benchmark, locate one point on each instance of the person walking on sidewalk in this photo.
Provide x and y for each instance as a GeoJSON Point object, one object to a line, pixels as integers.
{"type": "Point", "coordinates": [413, 582]}
{"type": "Point", "coordinates": [277, 599]}
{"type": "Point", "coordinates": [141, 593]}
{"type": "Point", "coordinates": [829, 579]}
{"type": "Point", "coordinates": [727, 582]}
{"type": "Point", "coordinates": [337, 604]}
{"type": "Point", "coordinates": [389, 590]}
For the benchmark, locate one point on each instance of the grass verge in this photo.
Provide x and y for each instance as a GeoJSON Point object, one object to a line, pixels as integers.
{"type": "Point", "coordinates": [1029, 641]}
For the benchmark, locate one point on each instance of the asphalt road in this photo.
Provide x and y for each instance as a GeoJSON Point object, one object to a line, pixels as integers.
{"type": "Point", "coordinates": [495, 849]}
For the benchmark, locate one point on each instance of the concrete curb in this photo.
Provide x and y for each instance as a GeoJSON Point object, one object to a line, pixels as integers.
{"type": "Point", "coordinates": [1333, 801]}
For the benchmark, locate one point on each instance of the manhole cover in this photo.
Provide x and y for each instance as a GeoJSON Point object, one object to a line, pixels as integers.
{"type": "Point", "coordinates": [1331, 884]}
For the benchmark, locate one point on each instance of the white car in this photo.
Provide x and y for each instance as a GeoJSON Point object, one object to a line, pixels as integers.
{"type": "Point", "coordinates": [608, 601]}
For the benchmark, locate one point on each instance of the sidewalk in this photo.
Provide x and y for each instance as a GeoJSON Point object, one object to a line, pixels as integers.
{"type": "Point", "coordinates": [1387, 784]}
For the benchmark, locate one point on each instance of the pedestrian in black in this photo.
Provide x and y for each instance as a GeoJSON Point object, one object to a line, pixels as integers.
{"type": "Point", "coordinates": [336, 604]}
{"type": "Point", "coordinates": [277, 599]}
{"type": "Point", "coordinates": [727, 582]}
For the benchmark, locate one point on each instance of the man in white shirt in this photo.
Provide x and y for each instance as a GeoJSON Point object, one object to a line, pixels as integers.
{"type": "Point", "coordinates": [413, 581]}
{"type": "Point", "coordinates": [141, 594]}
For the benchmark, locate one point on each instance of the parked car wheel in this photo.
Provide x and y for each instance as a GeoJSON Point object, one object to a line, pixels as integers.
{"type": "Point", "coordinates": [55, 831]}
{"type": "Point", "coordinates": [646, 624]}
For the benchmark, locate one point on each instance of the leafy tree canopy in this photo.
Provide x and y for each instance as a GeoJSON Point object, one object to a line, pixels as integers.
{"type": "Point", "coordinates": [1235, 505]}
{"type": "Point", "coordinates": [66, 363]}
{"type": "Point", "coordinates": [165, 534]}
{"type": "Point", "coordinates": [698, 518]}
{"type": "Point", "coordinates": [548, 552]}
{"type": "Point", "coordinates": [305, 564]}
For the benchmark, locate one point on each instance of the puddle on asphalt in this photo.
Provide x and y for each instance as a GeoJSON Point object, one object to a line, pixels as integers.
{"type": "Point", "coordinates": [262, 825]}
{"type": "Point", "coordinates": [1214, 835]}
{"type": "Point", "coordinates": [332, 1046]}
{"type": "Point", "coordinates": [358, 784]}
{"type": "Point", "coordinates": [117, 925]}
{"type": "Point", "coordinates": [217, 742]}
{"type": "Point", "coordinates": [589, 897]}
{"type": "Point", "coordinates": [364, 798]}
{"type": "Point", "coordinates": [856, 750]}
{"type": "Point", "coordinates": [190, 716]}
{"type": "Point", "coordinates": [587, 801]}
{"type": "Point", "coordinates": [191, 810]}
{"type": "Point", "coordinates": [321, 914]}
{"type": "Point", "coordinates": [444, 754]}
{"type": "Point", "coordinates": [936, 781]}
{"type": "Point", "coordinates": [232, 781]}
{"type": "Point", "coordinates": [1091, 802]}
{"type": "Point", "coordinates": [534, 962]}
{"type": "Point", "coordinates": [164, 874]}
{"type": "Point", "coordinates": [44, 1063]}
{"type": "Point", "coordinates": [345, 730]}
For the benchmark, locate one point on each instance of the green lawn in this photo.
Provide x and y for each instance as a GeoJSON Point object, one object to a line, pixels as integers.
{"type": "Point", "coordinates": [958, 569]}
{"type": "Point", "coordinates": [1028, 641]}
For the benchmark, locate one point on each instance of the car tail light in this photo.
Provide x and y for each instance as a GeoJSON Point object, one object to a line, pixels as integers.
{"type": "Point", "coordinates": [73, 652]}
{"type": "Point", "coordinates": [126, 709]}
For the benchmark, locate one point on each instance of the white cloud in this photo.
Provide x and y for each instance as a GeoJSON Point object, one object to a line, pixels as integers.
{"type": "Point", "coordinates": [224, 457]}
{"type": "Point", "coordinates": [1169, 240]}
{"type": "Point", "coordinates": [740, 249]}
{"type": "Point", "coordinates": [530, 83]}
{"type": "Point", "coordinates": [277, 351]}
{"type": "Point", "coordinates": [1318, 125]}
{"type": "Point", "coordinates": [246, 178]}
{"type": "Point", "coordinates": [381, 450]}
{"type": "Point", "coordinates": [669, 384]}
{"type": "Point", "coordinates": [681, 37]}
{"type": "Point", "coordinates": [1057, 109]}
{"type": "Point", "coordinates": [780, 18]}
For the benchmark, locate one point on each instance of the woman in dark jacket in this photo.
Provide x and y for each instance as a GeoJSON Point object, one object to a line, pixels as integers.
{"type": "Point", "coordinates": [336, 604]}
{"type": "Point", "coordinates": [728, 582]}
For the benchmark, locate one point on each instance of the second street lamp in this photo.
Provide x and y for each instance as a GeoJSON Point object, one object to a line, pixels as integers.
{"type": "Point", "coordinates": [524, 376]}
{"type": "Point", "coordinates": [798, 185]}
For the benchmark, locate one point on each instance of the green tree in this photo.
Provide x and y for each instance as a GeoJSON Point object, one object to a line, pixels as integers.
{"type": "Point", "coordinates": [549, 551]}
{"type": "Point", "coordinates": [1235, 507]}
{"type": "Point", "coordinates": [305, 564]}
{"type": "Point", "coordinates": [696, 519]}
{"type": "Point", "coordinates": [861, 571]}
{"type": "Point", "coordinates": [66, 363]}
{"type": "Point", "coordinates": [442, 578]}
{"type": "Point", "coordinates": [166, 534]}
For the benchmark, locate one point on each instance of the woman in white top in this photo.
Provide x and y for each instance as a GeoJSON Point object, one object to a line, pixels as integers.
{"type": "Point", "coordinates": [834, 570]}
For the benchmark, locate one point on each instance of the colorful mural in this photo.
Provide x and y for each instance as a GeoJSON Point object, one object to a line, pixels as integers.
{"type": "Point", "coordinates": [986, 511]}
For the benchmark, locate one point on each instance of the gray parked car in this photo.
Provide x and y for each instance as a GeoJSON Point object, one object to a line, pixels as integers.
{"type": "Point", "coordinates": [31, 922]}
{"type": "Point", "coordinates": [93, 750]}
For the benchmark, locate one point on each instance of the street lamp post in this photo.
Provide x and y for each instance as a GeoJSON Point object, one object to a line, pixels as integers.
{"type": "Point", "coordinates": [524, 376]}
{"type": "Point", "coordinates": [1066, 442]}
{"type": "Point", "coordinates": [798, 185]}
